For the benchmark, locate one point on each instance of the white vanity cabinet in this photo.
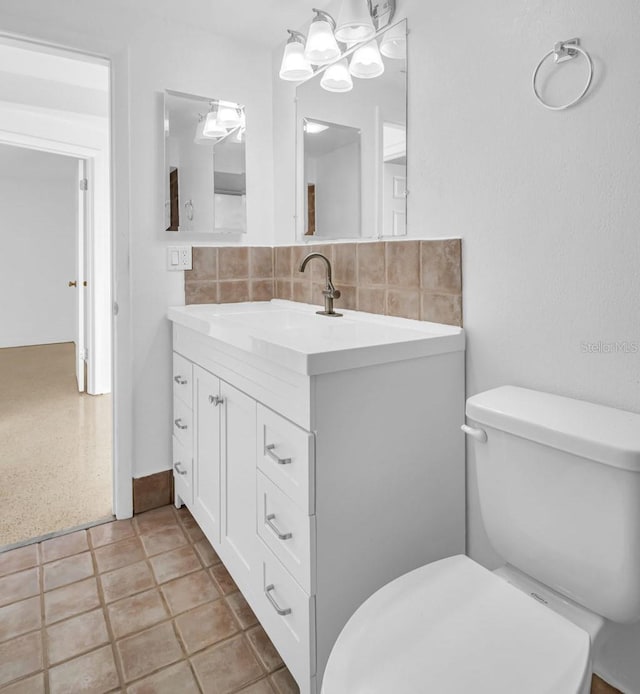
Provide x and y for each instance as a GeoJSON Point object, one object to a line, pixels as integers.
{"type": "Point", "coordinates": [317, 481]}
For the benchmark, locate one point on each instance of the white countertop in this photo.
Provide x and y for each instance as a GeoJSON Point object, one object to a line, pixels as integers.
{"type": "Point", "coordinates": [296, 337]}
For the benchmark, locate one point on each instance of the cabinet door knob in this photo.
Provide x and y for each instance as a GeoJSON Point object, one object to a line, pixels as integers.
{"type": "Point", "coordinates": [180, 380]}
{"type": "Point", "coordinates": [179, 424]}
{"type": "Point", "coordinates": [268, 450]}
{"type": "Point", "coordinates": [282, 611]}
{"type": "Point", "coordinates": [178, 468]}
{"type": "Point", "coordinates": [274, 528]}
{"type": "Point", "coordinates": [216, 400]}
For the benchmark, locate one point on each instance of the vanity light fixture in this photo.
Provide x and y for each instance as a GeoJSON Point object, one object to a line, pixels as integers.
{"type": "Point", "coordinates": [355, 22]}
{"type": "Point", "coordinates": [211, 126]}
{"type": "Point", "coordinates": [366, 62]}
{"type": "Point", "coordinates": [295, 67]}
{"type": "Point", "coordinates": [336, 78]}
{"type": "Point", "coordinates": [321, 47]}
{"type": "Point", "coordinates": [394, 43]}
{"type": "Point", "coordinates": [228, 115]}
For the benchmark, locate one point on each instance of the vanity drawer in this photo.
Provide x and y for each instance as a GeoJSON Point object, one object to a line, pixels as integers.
{"type": "Point", "coordinates": [182, 472]}
{"type": "Point", "coordinates": [287, 614]}
{"type": "Point", "coordinates": [182, 424]}
{"type": "Point", "coordinates": [286, 456]}
{"type": "Point", "coordinates": [182, 379]}
{"type": "Point", "coordinates": [287, 530]}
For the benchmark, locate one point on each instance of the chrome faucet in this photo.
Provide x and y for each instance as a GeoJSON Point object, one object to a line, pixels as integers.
{"type": "Point", "coordinates": [329, 292]}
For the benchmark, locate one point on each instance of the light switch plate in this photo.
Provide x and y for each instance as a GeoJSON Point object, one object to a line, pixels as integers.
{"type": "Point", "coordinates": [179, 258]}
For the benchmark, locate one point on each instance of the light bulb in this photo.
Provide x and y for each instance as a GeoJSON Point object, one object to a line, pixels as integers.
{"type": "Point", "coordinates": [366, 62]}
{"type": "Point", "coordinates": [336, 77]}
{"type": "Point", "coordinates": [354, 22]}
{"type": "Point", "coordinates": [322, 47]}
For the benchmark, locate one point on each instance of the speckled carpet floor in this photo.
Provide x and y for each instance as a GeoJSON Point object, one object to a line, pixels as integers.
{"type": "Point", "coordinates": [55, 445]}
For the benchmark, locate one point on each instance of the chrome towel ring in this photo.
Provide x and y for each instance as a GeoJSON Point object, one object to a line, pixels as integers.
{"type": "Point", "coordinates": [564, 50]}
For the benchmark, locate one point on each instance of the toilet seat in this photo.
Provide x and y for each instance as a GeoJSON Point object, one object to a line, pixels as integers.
{"type": "Point", "coordinates": [453, 627]}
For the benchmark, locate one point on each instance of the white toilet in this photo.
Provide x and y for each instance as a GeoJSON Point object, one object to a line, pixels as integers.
{"type": "Point", "coordinates": [559, 486]}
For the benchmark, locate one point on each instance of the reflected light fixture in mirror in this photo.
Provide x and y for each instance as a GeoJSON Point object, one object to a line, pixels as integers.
{"type": "Point", "coordinates": [394, 43]}
{"type": "Point", "coordinates": [337, 78]}
{"type": "Point", "coordinates": [366, 62]}
{"type": "Point", "coordinates": [321, 47]}
{"type": "Point", "coordinates": [354, 22]}
{"type": "Point", "coordinates": [295, 67]}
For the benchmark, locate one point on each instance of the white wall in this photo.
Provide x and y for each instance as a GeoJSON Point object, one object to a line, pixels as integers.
{"type": "Point", "coordinates": [38, 203]}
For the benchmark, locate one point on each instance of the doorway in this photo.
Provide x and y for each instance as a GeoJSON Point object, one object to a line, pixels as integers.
{"type": "Point", "coordinates": [56, 413]}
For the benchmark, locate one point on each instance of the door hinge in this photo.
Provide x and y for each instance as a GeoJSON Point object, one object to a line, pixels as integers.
{"type": "Point", "coordinates": [84, 184]}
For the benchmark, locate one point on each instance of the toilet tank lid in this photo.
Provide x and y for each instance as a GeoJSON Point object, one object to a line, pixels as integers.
{"type": "Point", "coordinates": [604, 434]}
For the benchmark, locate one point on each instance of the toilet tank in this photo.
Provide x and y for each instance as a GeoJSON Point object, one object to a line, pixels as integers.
{"type": "Point", "coordinates": [559, 489]}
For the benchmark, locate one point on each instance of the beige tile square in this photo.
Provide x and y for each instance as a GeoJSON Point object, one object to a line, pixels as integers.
{"type": "Point", "coordinates": [316, 268]}
{"type": "Point", "coordinates": [76, 635]}
{"type": "Point", "coordinates": [70, 600]}
{"type": "Point", "coordinates": [172, 680]}
{"type": "Point", "coordinates": [204, 264]}
{"type": "Point", "coordinates": [404, 303]}
{"type": "Point", "coordinates": [348, 298]}
{"type": "Point", "coordinates": [441, 308]}
{"type": "Point", "coordinates": [282, 262]}
{"type": "Point", "coordinates": [284, 682]}
{"type": "Point", "coordinates": [403, 263]}
{"type": "Point", "coordinates": [19, 585]}
{"type": "Point", "coordinates": [372, 300]}
{"type": "Point", "coordinates": [233, 291]}
{"type": "Point", "coordinates": [226, 667]}
{"type": "Point", "coordinates": [64, 546]}
{"type": "Point", "coordinates": [136, 613]}
{"type": "Point", "coordinates": [118, 554]}
{"type": "Point", "coordinates": [32, 685]}
{"type": "Point", "coordinates": [107, 533]}
{"type": "Point", "coordinates": [260, 687]}
{"type": "Point", "coordinates": [261, 262]}
{"type": "Point", "coordinates": [371, 263]}
{"type": "Point", "coordinates": [20, 617]}
{"type": "Point", "coordinates": [206, 625]}
{"type": "Point", "coordinates": [201, 292]}
{"type": "Point", "coordinates": [233, 263]}
{"type": "Point", "coordinates": [262, 290]}
{"type": "Point", "coordinates": [441, 266]}
{"type": "Point", "coordinates": [164, 541]}
{"type": "Point", "coordinates": [298, 254]}
{"type": "Point", "coordinates": [126, 581]}
{"type": "Point", "coordinates": [206, 553]}
{"type": "Point", "coordinates": [152, 491]}
{"type": "Point", "coordinates": [18, 559]}
{"type": "Point", "coordinates": [68, 570]}
{"type": "Point", "coordinates": [156, 520]}
{"type": "Point", "coordinates": [20, 657]}
{"type": "Point", "coordinates": [174, 564]}
{"type": "Point", "coordinates": [244, 614]}
{"type": "Point", "coordinates": [189, 591]}
{"type": "Point", "coordinates": [148, 651]}
{"type": "Point", "coordinates": [344, 264]}
{"type": "Point", "coordinates": [94, 672]}
{"type": "Point", "coordinates": [265, 650]}
{"type": "Point", "coordinates": [301, 291]}
{"type": "Point", "coordinates": [223, 579]}
{"type": "Point", "coordinates": [284, 289]}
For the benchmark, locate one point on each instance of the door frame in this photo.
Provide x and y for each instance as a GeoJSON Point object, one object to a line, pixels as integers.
{"type": "Point", "coordinates": [121, 338]}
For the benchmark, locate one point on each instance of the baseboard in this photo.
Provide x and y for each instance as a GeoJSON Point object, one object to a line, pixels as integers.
{"type": "Point", "coordinates": [152, 491]}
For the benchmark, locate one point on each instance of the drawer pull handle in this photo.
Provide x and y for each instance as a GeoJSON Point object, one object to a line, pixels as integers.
{"type": "Point", "coordinates": [179, 424]}
{"type": "Point", "coordinates": [269, 521]}
{"type": "Point", "coordinates": [268, 449]}
{"type": "Point", "coordinates": [282, 612]}
{"type": "Point", "coordinates": [215, 400]}
{"type": "Point", "coordinates": [178, 468]}
{"type": "Point", "coordinates": [180, 380]}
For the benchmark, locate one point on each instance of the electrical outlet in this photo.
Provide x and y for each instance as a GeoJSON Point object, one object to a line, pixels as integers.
{"type": "Point", "coordinates": [179, 258]}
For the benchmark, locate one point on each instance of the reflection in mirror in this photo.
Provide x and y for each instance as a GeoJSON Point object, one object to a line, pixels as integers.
{"type": "Point", "coordinates": [204, 173]}
{"type": "Point", "coordinates": [373, 113]}
{"type": "Point", "coordinates": [332, 179]}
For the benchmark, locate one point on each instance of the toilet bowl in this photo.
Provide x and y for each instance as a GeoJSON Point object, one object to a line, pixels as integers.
{"type": "Point", "coordinates": [572, 553]}
{"type": "Point", "coordinates": [453, 627]}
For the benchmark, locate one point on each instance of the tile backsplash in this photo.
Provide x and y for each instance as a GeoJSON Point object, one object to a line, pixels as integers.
{"type": "Point", "coordinates": [419, 279]}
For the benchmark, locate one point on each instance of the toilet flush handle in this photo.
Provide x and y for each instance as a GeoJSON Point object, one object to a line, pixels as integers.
{"type": "Point", "coordinates": [477, 434]}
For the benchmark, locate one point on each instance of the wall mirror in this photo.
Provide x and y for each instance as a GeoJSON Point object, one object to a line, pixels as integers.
{"type": "Point", "coordinates": [204, 164]}
{"type": "Point", "coordinates": [351, 143]}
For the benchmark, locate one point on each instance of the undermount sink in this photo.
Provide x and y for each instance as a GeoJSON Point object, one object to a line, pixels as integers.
{"type": "Point", "coordinates": [292, 334]}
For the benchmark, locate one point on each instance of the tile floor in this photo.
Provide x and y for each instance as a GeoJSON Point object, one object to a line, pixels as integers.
{"type": "Point", "coordinates": [141, 606]}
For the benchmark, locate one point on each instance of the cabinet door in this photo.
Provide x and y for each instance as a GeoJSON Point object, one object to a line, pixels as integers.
{"type": "Point", "coordinates": [208, 407]}
{"type": "Point", "coordinates": [239, 541]}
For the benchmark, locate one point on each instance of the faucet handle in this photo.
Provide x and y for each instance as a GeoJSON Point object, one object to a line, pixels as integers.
{"type": "Point", "coordinates": [332, 293]}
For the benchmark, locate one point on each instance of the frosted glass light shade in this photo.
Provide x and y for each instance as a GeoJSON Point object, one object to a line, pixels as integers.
{"type": "Point", "coordinates": [295, 67]}
{"type": "Point", "coordinates": [394, 42]}
{"type": "Point", "coordinates": [366, 62]}
{"type": "Point", "coordinates": [228, 117]}
{"type": "Point", "coordinates": [322, 47]}
{"type": "Point", "coordinates": [354, 22]}
{"type": "Point", "coordinates": [211, 126]}
{"type": "Point", "coordinates": [336, 77]}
